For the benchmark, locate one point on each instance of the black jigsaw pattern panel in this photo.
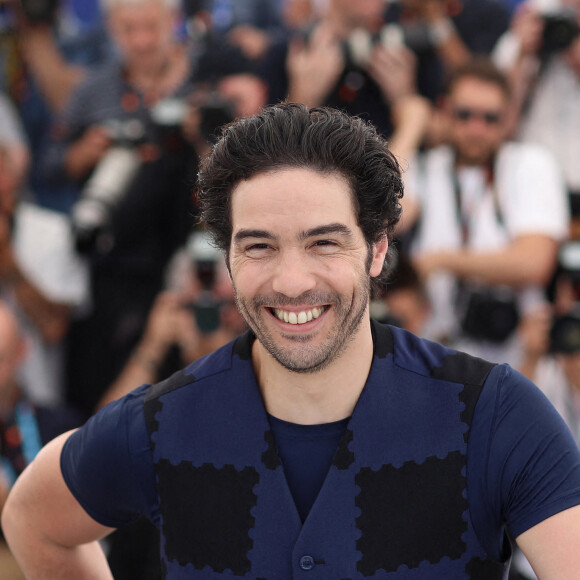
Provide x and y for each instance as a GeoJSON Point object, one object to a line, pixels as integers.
{"type": "Point", "coordinates": [207, 514]}
{"type": "Point", "coordinates": [411, 514]}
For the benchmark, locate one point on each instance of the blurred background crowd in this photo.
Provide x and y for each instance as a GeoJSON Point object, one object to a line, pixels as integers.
{"type": "Point", "coordinates": [106, 107]}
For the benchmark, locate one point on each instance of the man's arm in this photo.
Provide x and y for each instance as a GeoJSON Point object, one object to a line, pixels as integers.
{"type": "Point", "coordinates": [529, 259]}
{"type": "Point", "coordinates": [553, 546]}
{"type": "Point", "coordinates": [47, 530]}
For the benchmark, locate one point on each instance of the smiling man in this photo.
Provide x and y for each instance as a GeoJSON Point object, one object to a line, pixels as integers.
{"type": "Point", "coordinates": [318, 444]}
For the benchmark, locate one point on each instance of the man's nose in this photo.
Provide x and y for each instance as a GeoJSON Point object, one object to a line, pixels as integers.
{"type": "Point", "coordinates": [294, 275]}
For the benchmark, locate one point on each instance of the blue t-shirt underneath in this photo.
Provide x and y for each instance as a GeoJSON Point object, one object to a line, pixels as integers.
{"type": "Point", "coordinates": [306, 452]}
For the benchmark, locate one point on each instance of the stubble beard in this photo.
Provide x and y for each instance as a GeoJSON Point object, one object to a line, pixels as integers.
{"type": "Point", "coordinates": [305, 357]}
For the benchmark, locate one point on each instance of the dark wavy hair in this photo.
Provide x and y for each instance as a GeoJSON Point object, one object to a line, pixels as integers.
{"type": "Point", "coordinates": [289, 135]}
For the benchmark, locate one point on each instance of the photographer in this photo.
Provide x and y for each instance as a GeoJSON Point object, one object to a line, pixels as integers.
{"type": "Point", "coordinates": [492, 216]}
{"type": "Point", "coordinates": [190, 319]}
{"type": "Point", "coordinates": [228, 86]}
{"type": "Point", "coordinates": [349, 60]}
{"type": "Point", "coordinates": [541, 55]}
{"type": "Point", "coordinates": [121, 143]}
{"type": "Point", "coordinates": [42, 279]}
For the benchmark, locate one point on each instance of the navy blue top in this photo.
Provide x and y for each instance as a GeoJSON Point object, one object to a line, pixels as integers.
{"type": "Point", "coordinates": [522, 462]}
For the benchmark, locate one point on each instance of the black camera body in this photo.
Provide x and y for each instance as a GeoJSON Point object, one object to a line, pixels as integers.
{"type": "Point", "coordinates": [565, 333]}
{"type": "Point", "coordinates": [560, 31]}
{"type": "Point", "coordinates": [215, 112]}
{"type": "Point", "coordinates": [205, 259]}
{"type": "Point", "coordinates": [491, 314]}
{"type": "Point", "coordinates": [40, 11]}
{"type": "Point", "coordinates": [359, 45]}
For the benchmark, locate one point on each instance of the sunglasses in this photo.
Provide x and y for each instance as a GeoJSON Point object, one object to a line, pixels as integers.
{"type": "Point", "coordinates": [488, 117]}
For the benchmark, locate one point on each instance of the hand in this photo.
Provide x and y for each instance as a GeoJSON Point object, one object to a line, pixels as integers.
{"type": "Point", "coordinates": [252, 41]}
{"type": "Point", "coordinates": [528, 27]}
{"type": "Point", "coordinates": [162, 323]}
{"type": "Point", "coordinates": [534, 332]}
{"type": "Point", "coordinates": [314, 68]}
{"type": "Point", "coordinates": [394, 70]}
{"type": "Point", "coordinates": [84, 154]}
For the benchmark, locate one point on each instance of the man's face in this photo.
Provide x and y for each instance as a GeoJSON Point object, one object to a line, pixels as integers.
{"type": "Point", "coordinates": [247, 92]}
{"type": "Point", "coordinates": [362, 13]}
{"type": "Point", "coordinates": [300, 265]}
{"type": "Point", "coordinates": [477, 111]}
{"type": "Point", "coordinates": [143, 32]}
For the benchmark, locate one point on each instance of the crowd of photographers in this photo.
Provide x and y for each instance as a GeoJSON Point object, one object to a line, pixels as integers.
{"type": "Point", "coordinates": [106, 107]}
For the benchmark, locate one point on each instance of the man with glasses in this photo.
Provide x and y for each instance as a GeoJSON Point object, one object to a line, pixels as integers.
{"type": "Point", "coordinates": [492, 216]}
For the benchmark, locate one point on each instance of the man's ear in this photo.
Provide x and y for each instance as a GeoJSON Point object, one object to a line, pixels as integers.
{"type": "Point", "coordinates": [379, 254]}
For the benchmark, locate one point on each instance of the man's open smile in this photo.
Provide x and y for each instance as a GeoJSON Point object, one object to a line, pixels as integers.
{"type": "Point", "coordinates": [300, 317]}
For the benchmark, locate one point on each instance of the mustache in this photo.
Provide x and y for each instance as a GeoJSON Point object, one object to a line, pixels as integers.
{"type": "Point", "coordinates": [306, 299]}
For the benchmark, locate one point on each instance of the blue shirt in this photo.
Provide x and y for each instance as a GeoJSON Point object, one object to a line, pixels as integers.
{"type": "Point", "coordinates": [521, 466]}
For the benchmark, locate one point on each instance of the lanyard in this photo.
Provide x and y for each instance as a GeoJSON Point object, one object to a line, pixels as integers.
{"type": "Point", "coordinates": [462, 216]}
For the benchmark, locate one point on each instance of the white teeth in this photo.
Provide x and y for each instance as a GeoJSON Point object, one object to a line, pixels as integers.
{"type": "Point", "coordinates": [298, 318]}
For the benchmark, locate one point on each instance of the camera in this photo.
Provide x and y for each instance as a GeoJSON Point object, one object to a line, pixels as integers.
{"type": "Point", "coordinates": [110, 180]}
{"type": "Point", "coordinates": [491, 314]}
{"type": "Point", "coordinates": [205, 261]}
{"type": "Point", "coordinates": [215, 112]}
{"type": "Point", "coordinates": [565, 333]}
{"type": "Point", "coordinates": [90, 215]}
{"type": "Point", "coordinates": [560, 30]}
{"type": "Point", "coordinates": [40, 11]}
{"type": "Point", "coordinates": [565, 329]}
{"type": "Point", "coordinates": [360, 44]}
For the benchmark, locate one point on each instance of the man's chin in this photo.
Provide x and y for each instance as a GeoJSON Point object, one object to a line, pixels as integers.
{"type": "Point", "coordinates": [474, 158]}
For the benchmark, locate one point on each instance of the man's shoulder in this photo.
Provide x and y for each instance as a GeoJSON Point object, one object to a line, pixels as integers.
{"type": "Point", "coordinates": [212, 366]}
{"type": "Point", "coordinates": [97, 87]}
{"type": "Point", "coordinates": [524, 152]}
{"type": "Point", "coordinates": [434, 360]}
{"type": "Point", "coordinates": [102, 75]}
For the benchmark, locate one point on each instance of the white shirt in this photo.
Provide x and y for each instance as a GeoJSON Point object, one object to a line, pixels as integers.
{"type": "Point", "coordinates": [553, 118]}
{"type": "Point", "coordinates": [45, 253]}
{"type": "Point", "coordinates": [531, 198]}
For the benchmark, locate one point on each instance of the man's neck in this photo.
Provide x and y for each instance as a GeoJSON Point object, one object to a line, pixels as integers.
{"type": "Point", "coordinates": [319, 397]}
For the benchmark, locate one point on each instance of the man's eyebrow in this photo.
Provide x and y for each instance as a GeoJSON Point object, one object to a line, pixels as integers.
{"type": "Point", "coordinates": [335, 228]}
{"type": "Point", "coordinates": [248, 233]}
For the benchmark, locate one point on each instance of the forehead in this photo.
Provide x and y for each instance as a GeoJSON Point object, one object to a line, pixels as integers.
{"type": "Point", "coordinates": [292, 199]}
{"type": "Point", "coordinates": [477, 92]}
{"type": "Point", "coordinates": [138, 12]}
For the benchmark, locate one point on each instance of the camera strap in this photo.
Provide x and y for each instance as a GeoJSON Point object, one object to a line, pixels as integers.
{"type": "Point", "coordinates": [463, 217]}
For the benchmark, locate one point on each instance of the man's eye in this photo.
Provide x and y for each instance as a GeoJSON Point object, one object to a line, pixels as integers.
{"type": "Point", "coordinates": [324, 244]}
{"type": "Point", "coordinates": [257, 249]}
